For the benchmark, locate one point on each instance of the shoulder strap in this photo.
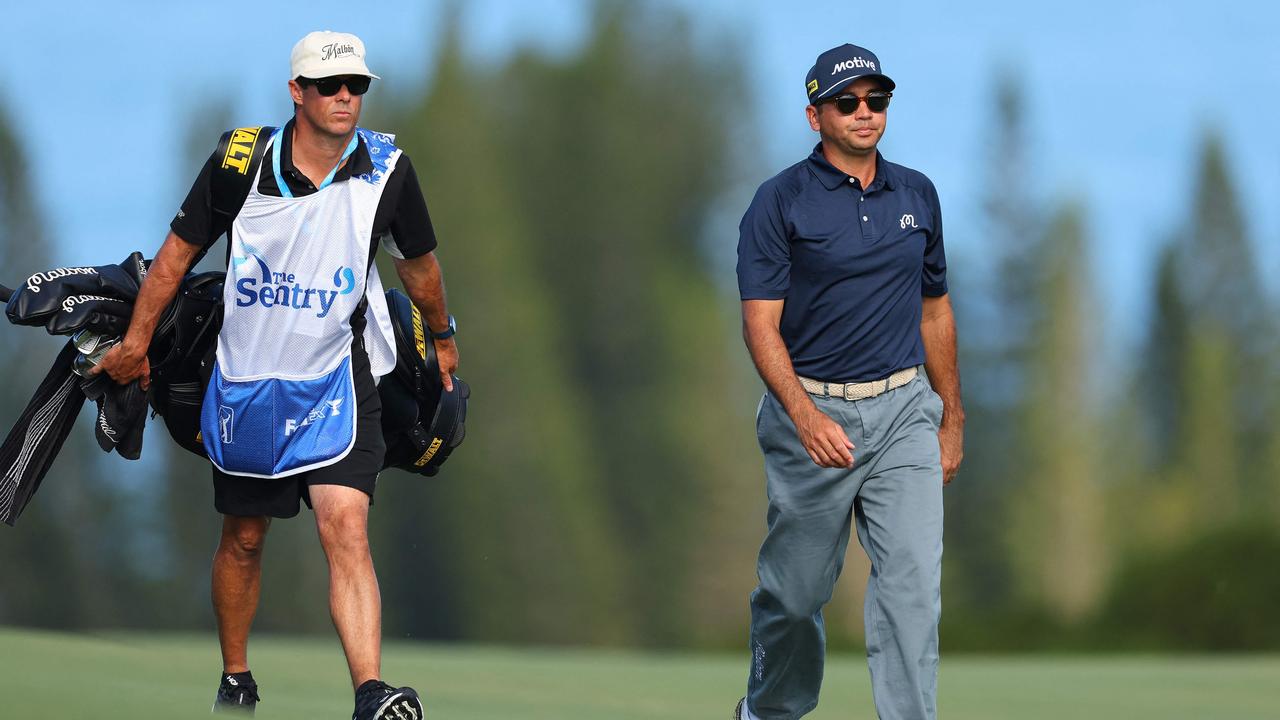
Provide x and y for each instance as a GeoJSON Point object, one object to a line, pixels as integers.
{"type": "Point", "coordinates": [235, 170]}
{"type": "Point", "coordinates": [238, 157]}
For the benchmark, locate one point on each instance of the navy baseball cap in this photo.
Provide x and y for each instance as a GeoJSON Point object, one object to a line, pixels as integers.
{"type": "Point", "coordinates": [836, 68]}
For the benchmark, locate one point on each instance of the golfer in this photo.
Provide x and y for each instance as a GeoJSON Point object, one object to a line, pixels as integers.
{"type": "Point", "coordinates": [845, 311]}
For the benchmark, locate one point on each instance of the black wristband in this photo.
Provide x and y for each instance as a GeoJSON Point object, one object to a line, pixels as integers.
{"type": "Point", "coordinates": [448, 333]}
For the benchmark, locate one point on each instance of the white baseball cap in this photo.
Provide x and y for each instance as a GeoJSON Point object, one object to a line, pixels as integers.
{"type": "Point", "coordinates": [325, 53]}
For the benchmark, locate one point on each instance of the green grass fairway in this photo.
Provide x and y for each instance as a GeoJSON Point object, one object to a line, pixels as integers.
{"type": "Point", "coordinates": [130, 675]}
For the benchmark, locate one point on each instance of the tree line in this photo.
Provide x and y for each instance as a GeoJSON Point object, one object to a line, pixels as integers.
{"type": "Point", "coordinates": [610, 490]}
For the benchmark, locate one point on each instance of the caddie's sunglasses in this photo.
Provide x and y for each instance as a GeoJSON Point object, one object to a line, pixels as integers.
{"type": "Point", "coordinates": [877, 102]}
{"type": "Point", "coordinates": [329, 86]}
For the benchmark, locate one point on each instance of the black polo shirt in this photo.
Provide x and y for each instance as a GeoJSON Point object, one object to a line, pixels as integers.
{"type": "Point", "coordinates": [402, 211]}
{"type": "Point", "coordinates": [851, 263]}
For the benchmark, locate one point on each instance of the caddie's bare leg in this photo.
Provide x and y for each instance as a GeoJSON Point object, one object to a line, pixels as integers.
{"type": "Point", "coordinates": [237, 576]}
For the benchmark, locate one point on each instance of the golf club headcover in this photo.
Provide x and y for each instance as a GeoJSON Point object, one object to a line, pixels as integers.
{"type": "Point", "coordinates": [41, 297]}
{"type": "Point", "coordinates": [122, 417]}
{"type": "Point", "coordinates": [97, 313]}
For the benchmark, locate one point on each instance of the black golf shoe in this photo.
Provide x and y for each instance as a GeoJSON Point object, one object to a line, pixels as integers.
{"type": "Point", "coordinates": [237, 693]}
{"type": "Point", "coordinates": [376, 700]}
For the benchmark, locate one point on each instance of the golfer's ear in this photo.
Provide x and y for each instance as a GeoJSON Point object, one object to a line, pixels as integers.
{"type": "Point", "coordinates": [811, 112]}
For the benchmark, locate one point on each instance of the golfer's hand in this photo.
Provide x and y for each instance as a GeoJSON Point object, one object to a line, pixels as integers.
{"type": "Point", "coordinates": [823, 438]}
{"type": "Point", "coordinates": [951, 442]}
{"type": "Point", "coordinates": [447, 357]}
{"type": "Point", "coordinates": [124, 364]}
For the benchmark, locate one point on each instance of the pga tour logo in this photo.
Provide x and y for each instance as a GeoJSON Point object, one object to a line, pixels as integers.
{"type": "Point", "coordinates": [226, 416]}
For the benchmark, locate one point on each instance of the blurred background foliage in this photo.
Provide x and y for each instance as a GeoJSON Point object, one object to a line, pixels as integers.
{"type": "Point", "coordinates": [610, 491]}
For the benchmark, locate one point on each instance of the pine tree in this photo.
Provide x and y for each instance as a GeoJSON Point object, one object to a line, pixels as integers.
{"type": "Point", "coordinates": [1058, 514]}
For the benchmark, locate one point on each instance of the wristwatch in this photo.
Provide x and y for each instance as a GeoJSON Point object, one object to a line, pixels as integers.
{"type": "Point", "coordinates": [446, 334]}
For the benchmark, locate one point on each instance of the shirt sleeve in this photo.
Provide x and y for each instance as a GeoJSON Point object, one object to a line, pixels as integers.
{"type": "Point", "coordinates": [764, 248]}
{"type": "Point", "coordinates": [933, 281]}
{"type": "Point", "coordinates": [411, 229]}
{"type": "Point", "coordinates": [196, 222]}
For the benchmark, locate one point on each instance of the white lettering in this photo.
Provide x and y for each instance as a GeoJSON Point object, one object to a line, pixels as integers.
{"type": "Point", "coordinates": [69, 303]}
{"type": "Point", "coordinates": [317, 414]}
{"type": "Point", "coordinates": [33, 282]}
{"type": "Point", "coordinates": [851, 64]}
{"type": "Point", "coordinates": [106, 428]}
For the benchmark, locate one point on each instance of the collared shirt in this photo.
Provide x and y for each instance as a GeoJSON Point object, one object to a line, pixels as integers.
{"type": "Point", "coordinates": [852, 264]}
{"type": "Point", "coordinates": [402, 211]}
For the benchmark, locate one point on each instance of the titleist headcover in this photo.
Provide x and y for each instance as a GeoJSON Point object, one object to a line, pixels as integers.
{"type": "Point", "coordinates": [421, 423]}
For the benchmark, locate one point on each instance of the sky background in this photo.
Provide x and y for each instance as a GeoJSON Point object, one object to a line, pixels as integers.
{"type": "Point", "coordinates": [1119, 95]}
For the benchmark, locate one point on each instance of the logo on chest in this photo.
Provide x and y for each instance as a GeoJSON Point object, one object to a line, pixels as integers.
{"type": "Point", "coordinates": [283, 290]}
{"type": "Point", "coordinates": [907, 221]}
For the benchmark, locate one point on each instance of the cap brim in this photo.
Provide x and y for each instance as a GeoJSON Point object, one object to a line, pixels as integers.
{"type": "Point", "coordinates": [340, 74]}
{"type": "Point", "coordinates": [340, 71]}
{"type": "Point", "coordinates": [884, 80]}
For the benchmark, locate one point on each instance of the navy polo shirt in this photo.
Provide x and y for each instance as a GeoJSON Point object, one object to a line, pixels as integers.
{"type": "Point", "coordinates": [852, 264]}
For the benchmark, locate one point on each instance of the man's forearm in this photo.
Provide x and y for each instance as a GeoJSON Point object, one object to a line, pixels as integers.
{"type": "Point", "coordinates": [158, 289]}
{"type": "Point", "coordinates": [424, 284]}
{"type": "Point", "coordinates": [938, 330]}
{"type": "Point", "coordinates": [773, 362]}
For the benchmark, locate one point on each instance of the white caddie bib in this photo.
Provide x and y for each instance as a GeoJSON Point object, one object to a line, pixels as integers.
{"type": "Point", "coordinates": [282, 397]}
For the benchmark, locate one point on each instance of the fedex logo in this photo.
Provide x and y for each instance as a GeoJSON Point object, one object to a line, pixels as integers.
{"type": "Point", "coordinates": [328, 409]}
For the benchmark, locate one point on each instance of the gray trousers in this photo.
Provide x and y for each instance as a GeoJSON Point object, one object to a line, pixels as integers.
{"type": "Point", "coordinates": [894, 493]}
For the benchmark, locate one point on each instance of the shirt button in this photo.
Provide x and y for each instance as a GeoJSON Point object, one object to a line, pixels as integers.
{"type": "Point", "coordinates": [864, 218]}
{"type": "Point", "coordinates": [852, 180]}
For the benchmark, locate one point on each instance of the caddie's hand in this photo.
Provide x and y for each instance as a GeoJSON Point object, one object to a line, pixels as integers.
{"type": "Point", "coordinates": [125, 363]}
{"type": "Point", "coordinates": [951, 442]}
{"type": "Point", "coordinates": [447, 357]}
{"type": "Point", "coordinates": [823, 438]}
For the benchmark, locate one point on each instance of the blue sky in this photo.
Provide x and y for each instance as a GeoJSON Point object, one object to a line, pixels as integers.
{"type": "Point", "coordinates": [1119, 94]}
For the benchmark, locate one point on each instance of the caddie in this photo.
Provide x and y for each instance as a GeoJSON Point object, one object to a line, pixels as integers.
{"type": "Point", "coordinates": [292, 411]}
{"type": "Point", "coordinates": [843, 282]}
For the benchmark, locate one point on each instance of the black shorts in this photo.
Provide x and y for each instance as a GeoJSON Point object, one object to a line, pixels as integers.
{"type": "Point", "coordinates": [250, 496]}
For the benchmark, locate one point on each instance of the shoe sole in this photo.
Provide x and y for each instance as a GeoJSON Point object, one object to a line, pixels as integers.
{"type": "Point", "coordinates": [400, 706]}
{"type": "Point", "coordinates": [232, 709]}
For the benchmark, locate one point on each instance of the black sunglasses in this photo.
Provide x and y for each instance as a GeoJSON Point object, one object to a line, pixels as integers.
{"type": "Point", "coordinates": [329, 86]}
{"type": "Point", "coordinates": [877, 102]}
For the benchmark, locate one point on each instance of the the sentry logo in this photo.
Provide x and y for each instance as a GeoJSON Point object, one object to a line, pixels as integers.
{"type": "Point", "coordinates": [282, 290]}
{"type": "Point", "coordinates": [851, 64]}
{"type": "Point", "coordinates": [318, 413]}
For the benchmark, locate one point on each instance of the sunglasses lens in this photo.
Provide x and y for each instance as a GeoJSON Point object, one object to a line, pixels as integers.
{"type": "Point", "coordinates": [877, 103]}
{"type": "Point", "coordinates": [847, 104]}
{"type": "Point", "coordinates": [328, 86]}
{"type": "Point", "coordinates": [358, 84]}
